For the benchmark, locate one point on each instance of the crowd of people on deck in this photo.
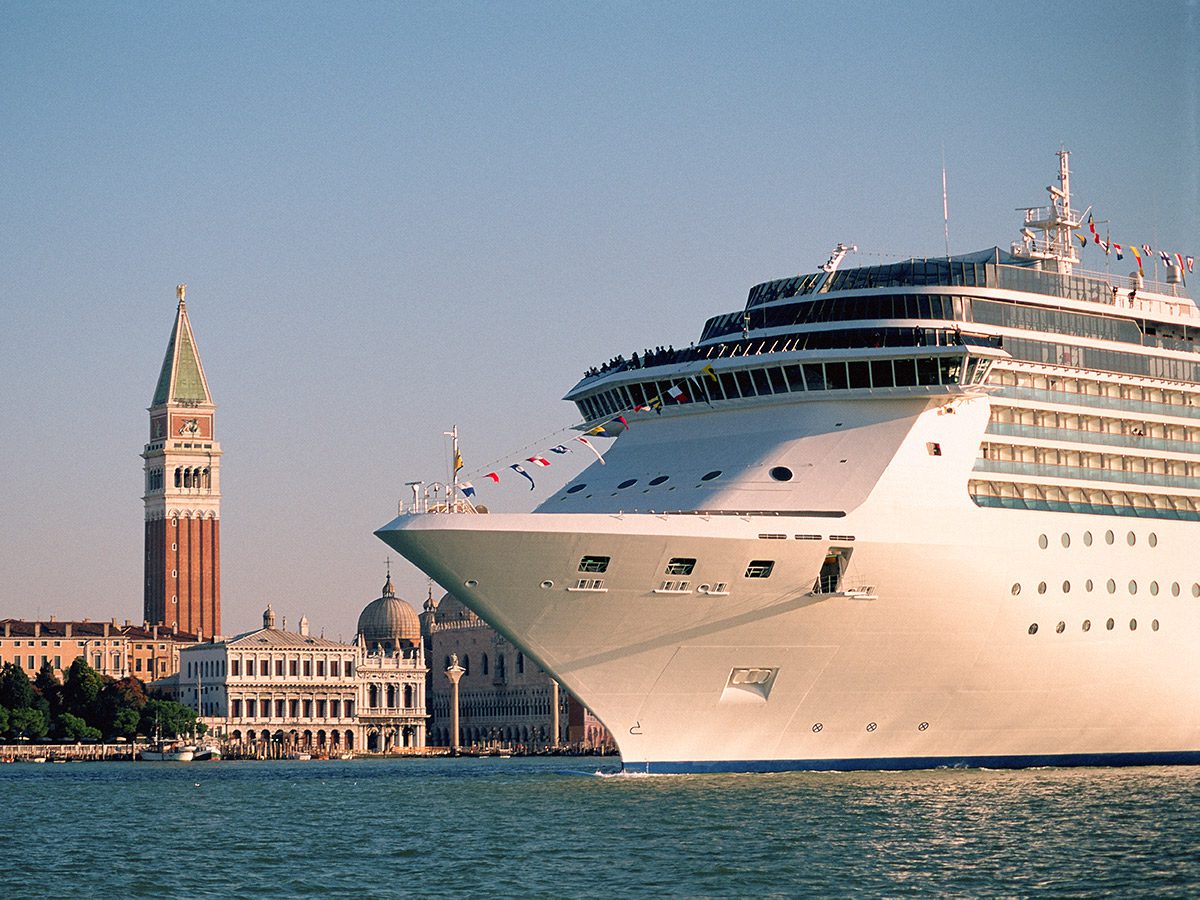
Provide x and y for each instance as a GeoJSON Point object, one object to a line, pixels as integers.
{"type": "Point", "coordinates": [659, 356]}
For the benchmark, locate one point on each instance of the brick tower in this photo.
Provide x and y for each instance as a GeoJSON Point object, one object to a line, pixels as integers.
{"type": "Point", "coordinates": [183, 493]}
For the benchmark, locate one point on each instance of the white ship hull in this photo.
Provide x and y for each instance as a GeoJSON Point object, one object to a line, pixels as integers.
{"type": "Point", "coordinates": [925, 659]}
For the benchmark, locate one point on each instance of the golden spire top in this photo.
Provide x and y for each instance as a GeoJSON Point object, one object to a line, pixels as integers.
{"type": "Point", "coordinates": [180, 290]}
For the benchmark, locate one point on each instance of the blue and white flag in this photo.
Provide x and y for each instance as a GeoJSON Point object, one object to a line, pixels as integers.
{"type": "Point", "coordinates": [560, 449]}
{"type": "Point", "coordinates": [516, 468]}
{"type": "Point", "coordinates": [468, 489]}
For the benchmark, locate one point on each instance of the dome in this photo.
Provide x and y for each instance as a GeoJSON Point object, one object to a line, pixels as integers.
{"type": "Point", "coordinates": [389, 621]}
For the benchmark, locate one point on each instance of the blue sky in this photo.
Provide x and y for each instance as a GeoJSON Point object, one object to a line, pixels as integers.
{"type": "Point", "coordinates": [394, 218]}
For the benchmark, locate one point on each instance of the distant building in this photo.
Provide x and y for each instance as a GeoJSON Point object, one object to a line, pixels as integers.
{"type": "Point", "coordinates": [393, 673]}
{"type": "Point", "coordinates": [505, 699]}
{"type": "Point", "coordinates": [291, 691]}
{"type": "Point", "coordinates": [182, 463]}
{"type": "Point", "coordinates": [147, 652]}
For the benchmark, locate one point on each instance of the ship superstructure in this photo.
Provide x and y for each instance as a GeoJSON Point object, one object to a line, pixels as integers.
{"type": "Point", "coordinates": [937, 512]}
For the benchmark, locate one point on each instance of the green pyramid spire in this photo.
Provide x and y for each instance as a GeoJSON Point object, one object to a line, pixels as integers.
{"type": "Point", "coordinates": [181, 379]}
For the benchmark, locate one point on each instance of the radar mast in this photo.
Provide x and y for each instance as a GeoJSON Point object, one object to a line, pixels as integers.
{"type": "Point", "coordinates": [1046, 234]}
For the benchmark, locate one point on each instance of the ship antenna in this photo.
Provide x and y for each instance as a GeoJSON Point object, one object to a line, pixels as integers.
{"type": "Point", "coordinates": [945, 204]}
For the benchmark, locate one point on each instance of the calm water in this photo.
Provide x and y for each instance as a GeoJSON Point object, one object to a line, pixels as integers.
{"type": "Point", "coordinates": [551, 828]}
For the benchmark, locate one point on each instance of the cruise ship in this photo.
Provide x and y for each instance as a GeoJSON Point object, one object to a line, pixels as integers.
{"type": "Point", "coordinates": [941, 512]}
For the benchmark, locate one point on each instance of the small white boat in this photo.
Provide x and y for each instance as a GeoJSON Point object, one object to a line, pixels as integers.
{"type": "Point", "coordinates": [161, 751]}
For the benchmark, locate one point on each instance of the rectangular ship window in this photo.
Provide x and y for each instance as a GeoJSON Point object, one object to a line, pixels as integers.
{"type": "Point", "coordinates": [589, 584]}
{"type": "Point", "coordinates": [674, 587]}
{"type": "Point", "coordinates": [594, 564]}
{"type": "Point", "coordinates": [760, 568]}
{"type": "Point", "coordinates": [681, 566]}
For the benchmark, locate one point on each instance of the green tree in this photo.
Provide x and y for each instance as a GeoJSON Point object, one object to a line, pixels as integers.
{"type": "Point", "coordinates": [81, 689]}
{"type": "Point", "coordinates": [47, 685]}
{"type": "Point", "coordinates": [27, 722]}
{"type": "Point", "coordinates": [125, 722]}
{"type": "Point", "coordinates": [173, 718]}
{"type": "Point", "coordinates": [15, 690]}
{"type": "Point", "coordinates": [74, 728]}
{"type": "Point", "coordinates": [3, 720]}
{"type": "Point", "coordinates": [120, 705]}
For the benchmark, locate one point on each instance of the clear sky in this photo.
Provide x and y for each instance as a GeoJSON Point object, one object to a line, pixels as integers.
{"type": "Point", "coordinates": [397, 217]}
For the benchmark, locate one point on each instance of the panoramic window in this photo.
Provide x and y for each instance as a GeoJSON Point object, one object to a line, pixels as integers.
{"type": "Point", "coordinates": [594, 564]}
{"type": "Point", "coordinates": [659, 480]}
{"type": "Point", "coordinates": [760, 568]}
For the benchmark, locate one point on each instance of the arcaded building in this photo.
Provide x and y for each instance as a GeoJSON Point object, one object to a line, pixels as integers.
{"type": "Point", "coordinates": [294, 691]}
{"type": "Point", "coordinates": [505, 699]}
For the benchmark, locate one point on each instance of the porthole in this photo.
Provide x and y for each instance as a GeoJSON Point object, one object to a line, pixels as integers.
{"type": "Point", "coordinates": [1016, 589]}
{"type": "Point", "coordinates": [715, 473]}
{"type": "Point", "coordinates": [1087, 539]}
{"type": "Point", "coordinates": [871, 726]}
{"type": "Point", "coordinates": [817, 728]}
{"type": "Point", "coordinates": [1109, 624]}
{"type": "Point", "coordinates": [1087, 624]}
{"type": "Point", "coordinates": [1088, 585]}
{"type": "Point", "coordinates": [1060, 627]}
{"type": "Point", "coordinates": [1033, 628]}
{"type": "Point", "coordinates": [1153, 539]}
{"type": "Point", "coordinates": [628, 482]}
{"type": "Point", "coordinates": [1175, 589]}
{"type": "Point", "coordinates": [1066, 587]}
{"type": "Point", "coordinates": [1112, 586]}
{"type": "Point", "coordinates": [1133, 587]}
{"type": "Point", "coordinates": [1109, 537]}
{"type": "Point", "coordinates": [1043, 541]}
{"type": "Point", "coordinates": [576, 488]}
{"type": "Point", "coordinates": [1131, 538]}
{"type": "Point", "coordinates": [1154, 589]}
{"type": "Point", "coordinates": [1066, 540]}
{"type": "Point", "coordinates": [1154, 625]}
{"type": "Point", "coordinates": [471, 583]}
{"type": "Point", "coordinates": [1133, 624]}
{"type": "Point", "coordinates": [1196, 590]}
{"type": "Point", "coordinates": [781, 473]}
{"type": "Point", "coordinates": [704, 588]}
{"type": "Point", "coordinates": [655, 482]}
{"type": "Point", "coordinates": [547, 584]}
{"type": "Point", "coordinates": [1042, 587]}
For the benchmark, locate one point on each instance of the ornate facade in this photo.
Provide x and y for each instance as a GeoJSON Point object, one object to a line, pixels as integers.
{"type": "Point", "coordinates": [294, 692]}
{"type": "Point", "coordinates": [182, 497]}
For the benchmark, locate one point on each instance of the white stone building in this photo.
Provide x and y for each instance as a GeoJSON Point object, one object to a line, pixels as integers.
{"type": "Point", "coordinates": [280, 692]}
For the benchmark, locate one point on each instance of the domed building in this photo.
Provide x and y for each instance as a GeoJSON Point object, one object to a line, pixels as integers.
{"type": "Point", "coordinates": [392, 672]}
{"type": "Point", "coordinates": [388, 623]}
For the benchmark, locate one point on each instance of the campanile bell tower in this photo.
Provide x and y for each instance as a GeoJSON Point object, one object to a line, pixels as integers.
{"type": "Point", "coordinates": [183, 492]}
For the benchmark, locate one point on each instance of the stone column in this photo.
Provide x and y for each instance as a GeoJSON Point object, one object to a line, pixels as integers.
{"type": "Point", "coordinates": [454, 672]}
{"type": "Point", "coordinates": [554, 713]}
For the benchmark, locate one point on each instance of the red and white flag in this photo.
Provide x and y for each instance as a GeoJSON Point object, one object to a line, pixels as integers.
{"type": "Point", "coordinates": [591, 447]}
{"type": "Point", "coordinates": [675, 392]}
{"type": "Point", "coordinates": [538, 461]}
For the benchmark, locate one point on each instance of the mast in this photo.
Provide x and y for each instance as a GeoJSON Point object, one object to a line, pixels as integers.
{"type": "Point", "coordinates": [1054, 222]}
{"type": "Point", "coordinates": [455, 465]}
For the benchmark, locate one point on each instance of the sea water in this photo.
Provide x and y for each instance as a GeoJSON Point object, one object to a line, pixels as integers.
{"type": "Point", "coordinates": [571, 828]}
